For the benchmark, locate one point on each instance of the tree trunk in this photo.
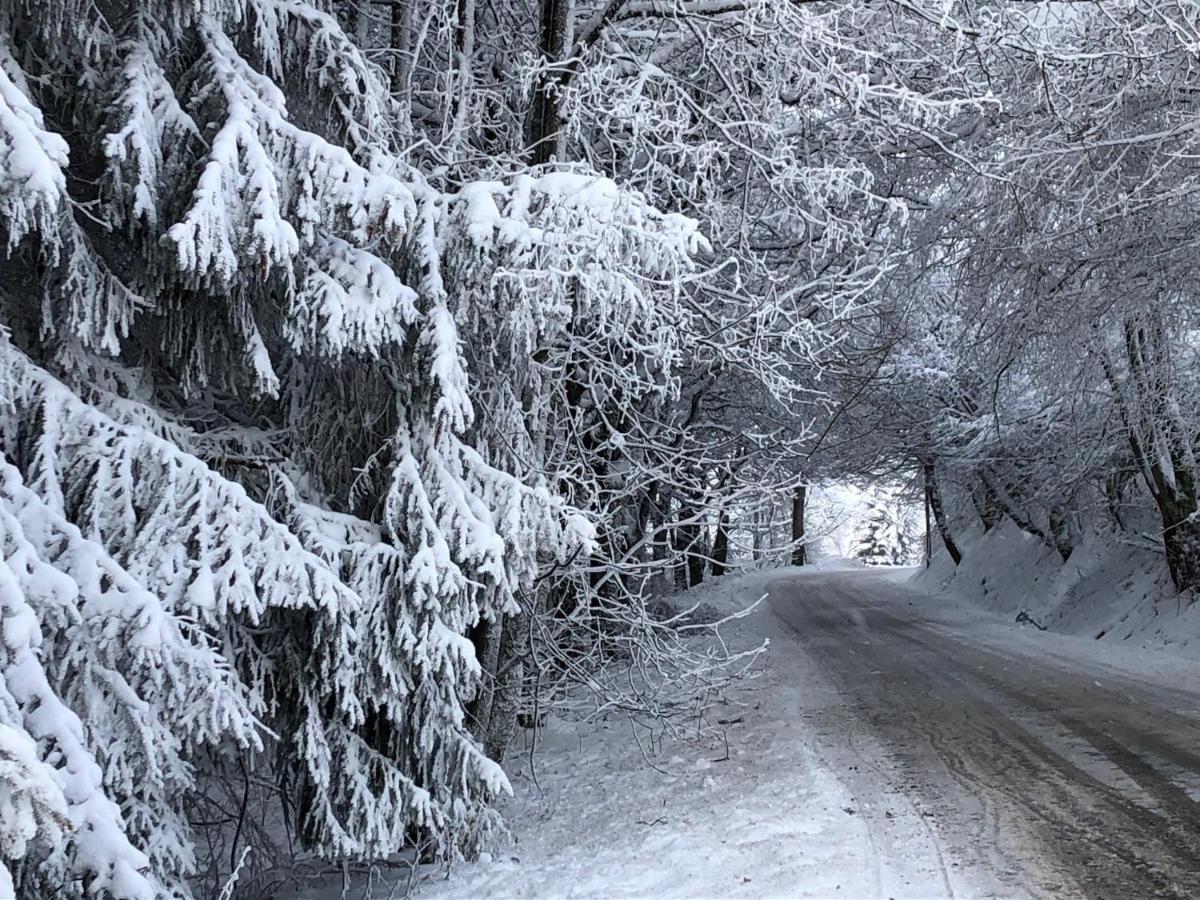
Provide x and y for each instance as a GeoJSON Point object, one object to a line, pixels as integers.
{"type": "Point", "coordinates": [697, 557]}
{"type": "Point", "coordinates": [464, 52]}
{"type": "Point", "coordinates": [933, 495]}
{"type": "Point", "coordinates": [720, 551]}
{"type": "Point", "coordinates": [1160, 443]}
{"type": "Point", "coordinates": [928, 531]}
{"type": "Point", "coordinates": [1181, 541]}
{"type": "Point", "coordinates": [1113, 494]}
{"type": "Point", "coordinates": [681, 539]}
{"type": "Point", "coordinates": [799, 502]}
{"type": "Point", "coordinates": [486, 638]}
{"type": "Point", "coordinates": [362, 24]}
{"type": "Point", "coordinates": [987, 506]}
{"type": "Point", "coordinates": [688, 546]}
{"type": "Point", "coordinates": [542, 126]}
{"type": "Point", "coordinates": [510, 676]}
{"type": "Point", "coordinates": [1060, 529]}
{"type": "Point", "coordinates": [400, 40]}
{"type": "Point", "coordinates": [1012, 508]}
{"type": "Point", "coordinates": [660, 540]}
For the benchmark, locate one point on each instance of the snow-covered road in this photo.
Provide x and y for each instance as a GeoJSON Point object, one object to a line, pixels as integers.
{"type": "Point", "coordinates": [895, 744]}
{"type": "Point", "coordinates": [1050, 766]}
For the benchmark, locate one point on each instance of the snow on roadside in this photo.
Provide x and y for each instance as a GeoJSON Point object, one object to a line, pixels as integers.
{"type": "Point", "coordinates": [1106, 591]}
{"type": "Point", "coordinates": [764, 807]}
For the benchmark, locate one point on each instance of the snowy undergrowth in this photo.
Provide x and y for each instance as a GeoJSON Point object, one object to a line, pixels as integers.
{"type": "Point", "coordinates": [758, 804]}
{"type": "Point", "coordinates": [1107, 590]}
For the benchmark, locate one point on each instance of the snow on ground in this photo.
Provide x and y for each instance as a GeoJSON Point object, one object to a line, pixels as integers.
{"type": "Point", "coordinates": [791, 795]}
{"type": "Point", "coordinates": [764, 807]}
{"type": "Point", "coordinates": [1107, 591]}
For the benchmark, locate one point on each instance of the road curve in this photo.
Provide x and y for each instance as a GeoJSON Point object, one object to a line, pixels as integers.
{"type": "Point", "coordinates": [1059, 772]}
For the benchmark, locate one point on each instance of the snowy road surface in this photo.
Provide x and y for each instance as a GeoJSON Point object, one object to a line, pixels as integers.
{"type": "Point", "coordinates": [1051, 766]}
{"type": "Point", "coordinates": [895, 745]}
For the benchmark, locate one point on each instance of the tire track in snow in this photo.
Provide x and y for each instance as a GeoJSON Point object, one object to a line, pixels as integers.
{"type": "Point", "coordinates": [1010, 765]}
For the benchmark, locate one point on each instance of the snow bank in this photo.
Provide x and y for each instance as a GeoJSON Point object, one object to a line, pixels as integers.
{"type": "Point", "coordinates": [1108, 590]}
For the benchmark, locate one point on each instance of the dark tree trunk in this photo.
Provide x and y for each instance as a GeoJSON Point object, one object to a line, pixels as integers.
{"type": "Point", "coordinates": [401, 38]}
{"type": "Point", "coordinates": [1181, 518]}
{"type": "Point", "coordinates": [681, 539]}
{"type": "Point", "coordinates": [542, 126]}
{"type": "Point", "coordinates": [510, 676]}
{"type": "Point", "coordinates": [657, 513]}
{"type": "Point", "coordinates": [696, 558]}
{"type": "Point", "coordinates": [720, 551]}
{"type": "Point", "coordinates": [1181, 541]}
{"type": "Point", "coordinates": [933, 496]}
{"type": "Point", "coordinates": [799, 502]}
{"type": "Point", "coordinates": [1013, 509]}
{"type": "Point", "coordinates": [928, 531]}
{"type": "Point", "coordinates": [688, 549]}
{"type": "Point", "coordinates": [1060, 529]}
{"type": "Point", "coordinates": [987, 506]}
{"type": "Point", "coordinates": [362, 25]}
{"type": "Point", "coordinates": [1160, 444]}
{"type": "Point", "coordinates": [1114, 487]}
{"type": "Point", "coordinates": [486, 638]}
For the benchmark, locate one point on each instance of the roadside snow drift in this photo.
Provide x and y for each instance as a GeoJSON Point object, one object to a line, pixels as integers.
{"type": "Point", "coordinates": [1107, 590]}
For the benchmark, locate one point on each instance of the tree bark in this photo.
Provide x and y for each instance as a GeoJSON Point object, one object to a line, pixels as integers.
{"type": "Point", "coordinates": [680, 541]}
{"type": "Point", "coordinates": [486, 638]}
{"type": "Point", "coordinates": [1012, 508]}
{"type": "Point", "coordinates": [464, 52]}
{"type": "Point", "coordinates": [1060, 530]}
{"type": "Point", "coordinates": [1160, 444]}
{"type": "Point", "coordinates": [1113, 494]}
{"type": "Point", "coordinates": [510, 676]}
{"type": "Point", "coordinates": [720, 551]}
{"type": "Point", "coordinates": [928, 531]}
{"type": "Point", "coordinates": [362, 24]}
{"type": "Point", "coordinates": [688, 546]}
{"type": "Point", "coordinates": [400, 42]}
{"type": "Point", "coordinates": [987, 506]}
{"type": "Point", "coordinates": [542, 126]}
{"type": "Point", "coordinates": [697, 557]}
{"type": "Point", "coordinates": [933, 494]}
{"type": "Point", "coordinates": [400, 39]}
{"type": "Point", "coordinates": [1181, 542]}
{"type": "Point", "coordinates": [799, 502]}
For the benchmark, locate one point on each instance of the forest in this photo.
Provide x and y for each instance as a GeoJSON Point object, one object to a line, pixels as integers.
{"type": "Point", "coordinates": [371, 371]}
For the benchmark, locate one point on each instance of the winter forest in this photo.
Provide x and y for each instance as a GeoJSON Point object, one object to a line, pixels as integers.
{"type": "Point", "coordinates": [372, 372]}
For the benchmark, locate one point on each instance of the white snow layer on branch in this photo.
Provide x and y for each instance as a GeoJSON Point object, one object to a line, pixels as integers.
{"type": "Point", "coordinates": [98, 848]}
{"type": "Point", "coordinates": [349, 301]}
{"type": "Point", "coordinates": [149, 123]}
{"type": "Point", "coordinates": [238, 220]}
{"type": "Point", "coordinates": [235, 559]}
{"type": "Point", "coordinates": [171, 546]}
{"type": "Point", "coordinates": [32, 159]}
{"type": "Point", "coordinates": [186, 614]}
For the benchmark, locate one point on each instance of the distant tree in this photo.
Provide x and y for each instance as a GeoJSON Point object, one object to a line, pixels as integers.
{"type": "Point", "coordinates": [885, 537]}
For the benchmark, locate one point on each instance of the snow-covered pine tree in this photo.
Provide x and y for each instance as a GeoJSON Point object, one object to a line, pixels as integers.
{"type": "Point", "coordinates": [883, 539]}
{"type": "Point", "coordinates": [872, 546]}
{"type": "Point", "coordinates": [268, 453]}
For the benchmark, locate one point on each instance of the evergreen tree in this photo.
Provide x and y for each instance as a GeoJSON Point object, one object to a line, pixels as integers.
{"type": "Point", "coordinates": [259, 475]}
{"type": "Point", "coordinates": [883, 539]}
